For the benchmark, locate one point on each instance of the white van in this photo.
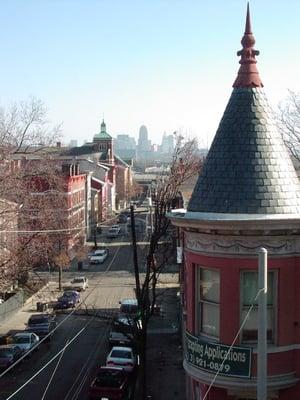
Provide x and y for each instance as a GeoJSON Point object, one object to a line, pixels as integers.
{"type": "Point", "coordinates": [128, 307]}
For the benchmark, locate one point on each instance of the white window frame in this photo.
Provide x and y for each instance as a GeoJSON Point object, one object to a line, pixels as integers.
{"type": "Point", "coordinates": [273, 307]}
{"type": "Point", "coordinates": [200, 302]}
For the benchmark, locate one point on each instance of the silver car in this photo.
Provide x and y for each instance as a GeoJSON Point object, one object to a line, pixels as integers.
{"type": "Point", "coordinates": [25, 340]}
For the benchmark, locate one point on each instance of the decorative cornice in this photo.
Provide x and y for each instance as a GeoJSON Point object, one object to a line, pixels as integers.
{"type": "Point", "coordinates": [255, 222]}
{"type": "Point", "coordinates": [210, 244]}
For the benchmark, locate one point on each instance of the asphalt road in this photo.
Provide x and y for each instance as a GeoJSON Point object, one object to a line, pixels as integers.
{"type": "Point", "coordinates": [69, 375]}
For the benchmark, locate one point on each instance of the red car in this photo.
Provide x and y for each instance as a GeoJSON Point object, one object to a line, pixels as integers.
{"type": "Point", "coordinates": [110, 383]}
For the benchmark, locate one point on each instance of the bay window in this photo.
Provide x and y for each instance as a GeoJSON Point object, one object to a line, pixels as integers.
{"type": "Point", "coordinates": [208, 302]}
{"type": "Point", "coordinates": [249, 290]}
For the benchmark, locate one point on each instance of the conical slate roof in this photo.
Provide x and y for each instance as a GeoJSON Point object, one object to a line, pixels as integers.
{"type": "Point", "coordinates": [248, 169]}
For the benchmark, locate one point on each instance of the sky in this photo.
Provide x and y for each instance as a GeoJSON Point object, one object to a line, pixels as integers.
{"type": "Point", "coordinates": [167, 64]}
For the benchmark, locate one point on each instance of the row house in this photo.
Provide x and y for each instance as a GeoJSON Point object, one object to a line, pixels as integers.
{"type": "Point", "coordinates": [56, 199]}
{"type": "Point", "coordinates": [75, 193]}
{"type": "Point", "coordinates": [123, 183]}
{"type": "Point", "coordinates": [115, 186]}
{"type": "Point", "coordinates": [94, 183]}
{"type": "Point", "coordinates": [98, 190]}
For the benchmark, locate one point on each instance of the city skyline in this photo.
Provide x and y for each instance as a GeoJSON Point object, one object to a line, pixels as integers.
{"type": "Point", "coordinates": [159, 140]}
{"type": "Point", "coordinates": [167, 65]}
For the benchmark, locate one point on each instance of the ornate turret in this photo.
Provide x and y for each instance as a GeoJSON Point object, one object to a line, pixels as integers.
{"type": "Point", "coordinates": [248, 169]}
{"type": "Point", "coordinates": [246, 203]}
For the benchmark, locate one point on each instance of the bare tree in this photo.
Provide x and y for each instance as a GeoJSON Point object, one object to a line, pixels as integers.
{"type": "Point", "coordinates": [185, 163]}
{"type": "Point", "coordinates": [46, 217]}
{"type": "Point", "coordinates": [24, 127]}
{"type": "Point", "coordinates": [288, 119]}
{"type": "Point", "coordinates": [25, 137]}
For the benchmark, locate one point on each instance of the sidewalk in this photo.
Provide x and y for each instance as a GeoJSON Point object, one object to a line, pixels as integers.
{"type": "Point", "coordinates": [165, 374]}
{"type": "Point", "coordinates": [17, 322]}
{"type": "Point", "coordinates": [166, 379]}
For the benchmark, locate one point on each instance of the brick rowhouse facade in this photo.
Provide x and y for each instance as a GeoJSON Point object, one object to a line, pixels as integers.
{"type": "Point", "coordinates": [75, 192]}
{"type": "Point", "coordinates": [246, 197]}
{"type": "Point", "coordinates": [72, 207]}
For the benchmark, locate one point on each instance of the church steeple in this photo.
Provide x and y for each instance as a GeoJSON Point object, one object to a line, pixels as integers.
{"type": "Point", "coordinates": [248, 76]}
{"type": "Point", "coordinates": [102, 135]}
{"type": "Point", "coordinates": [103, 127]}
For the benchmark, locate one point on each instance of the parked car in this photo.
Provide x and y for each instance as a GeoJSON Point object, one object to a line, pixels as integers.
{"type": "Point", "coordinates": [79, 283]}
{"type": "Point", "coordinates": [129, 307]}
{"type": "Point", "coordinates": [121, 333]}
{"type": "Point", "coordinates": [117, 228]}
{"type": "Point", "coordinates": [97, 252]}
{"type": "Point", "coordinates": [9, 354]}
{"type": "Point", "coordinates": [122, 218]}
{"type": "Point", "coordinates": [70, 298]}
{"type": "Point", "coordinates": [41, 324]}
{"type": "Point", "coordinates": [113, 233]}
{"type": "Point", "coordinates": [99, 256]}
{"type": "Point", "coordinates": [110, 383]}
{"type": "Point", "coordinates": [26, 340]}
{"type": "Point", "coordinates": [122, 357]}
{"type": "Point", "coordinates": [129, 311]}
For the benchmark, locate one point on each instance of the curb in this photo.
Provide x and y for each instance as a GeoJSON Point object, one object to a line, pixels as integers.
{"type": "Point", "coordinates": [162, 331]}
{"type": "Point", "coordinates": [30, 299]}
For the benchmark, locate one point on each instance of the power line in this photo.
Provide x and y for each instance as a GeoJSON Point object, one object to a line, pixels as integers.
{"type": "Point", "coordinates": [53, 358]}
{"type": "Point", "coordinates": [57, 230]}
{"type": "Point", "coordinates": [53, 373]}
{"type": "Point", "coordinates": [84, 368]}
{"type": "Point", "coordinates": [48, 363]}
{"type": "Point", "coordinates": [58, 325]}
{"type": "Point", "coordinates": [233, 342]}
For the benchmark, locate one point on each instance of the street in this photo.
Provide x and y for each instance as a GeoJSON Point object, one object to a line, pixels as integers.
{"type": "Point", "coordinates": [84, 332]}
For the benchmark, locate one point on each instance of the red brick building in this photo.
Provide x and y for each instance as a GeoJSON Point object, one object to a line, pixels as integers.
{"type": "Point", "coordinates": [75, 185]}
{"type": "Point", "coordinates": [114, 190]}
{"type": "Point", "coordinates": [56, 203]}
{"type": "Point", "coordinates": [246, 197]}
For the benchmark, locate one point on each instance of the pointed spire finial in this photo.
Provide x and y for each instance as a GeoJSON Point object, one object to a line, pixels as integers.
{"type": "Point", "coordinates": [103, 126]}
{"type": "Point", "coordinates": [248, 75]}
{"type": "Point", "coordinates": [248, 21]}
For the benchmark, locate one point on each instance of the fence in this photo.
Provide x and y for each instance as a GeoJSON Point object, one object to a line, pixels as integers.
{"type": "Point", "coordinates": [10, 306]}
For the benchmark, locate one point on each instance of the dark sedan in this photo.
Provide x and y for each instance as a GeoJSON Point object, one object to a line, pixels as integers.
{"type": "Point", "coordinates": [70, 298]}
{"type": "Point", "coordinates": [41, 324]}
{"type": "Point", "coordinates": [9, 354]}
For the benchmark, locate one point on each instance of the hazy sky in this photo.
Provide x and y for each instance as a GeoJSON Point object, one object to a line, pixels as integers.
{"type": "Point", "coordinates": [168, 64]}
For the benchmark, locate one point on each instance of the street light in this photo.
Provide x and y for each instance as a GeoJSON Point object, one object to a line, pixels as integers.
{"type": "Point", "coordinates": [262, 325]}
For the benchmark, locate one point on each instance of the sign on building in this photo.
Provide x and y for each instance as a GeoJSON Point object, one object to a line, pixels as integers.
{"type": "Point", "coordinates": [214, 357]}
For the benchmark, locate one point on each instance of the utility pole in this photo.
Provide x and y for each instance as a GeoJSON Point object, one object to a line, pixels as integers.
{"type": "Point", "coordinates": [135, 259]}
{"type": "Point", "coordinates": [262, 325]}
{"type": "Point", "coordinates": [150, 210]}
